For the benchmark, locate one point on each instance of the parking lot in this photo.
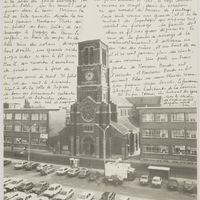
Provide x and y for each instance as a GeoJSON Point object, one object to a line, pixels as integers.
{"type": "Point", "coordinates": [129, 188]}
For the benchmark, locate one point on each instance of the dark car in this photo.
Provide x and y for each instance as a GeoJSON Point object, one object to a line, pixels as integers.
{"type": "Point", "coordinates": [25, 186]}
{"type": "Point", "coordinates": [172, 184]}
{"type": "Point", "coordinates": [40, 187]}
{"type": "Point", "coordinates": [94, 176]}
{"type": "Point", "coordinates": [115, 180]}
{"type": "Point", "coordinates": [6, 162]}
{"type": "Point", "coordinates": [108, 196]}
{"type": "Point", "coordinates": [188, 186]}
{"type": "Point", "coordinates": [31, 165]}
{"type": "Point", "coordinates": [84, 172]}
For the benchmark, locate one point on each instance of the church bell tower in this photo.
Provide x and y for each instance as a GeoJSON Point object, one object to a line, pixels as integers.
{"type": "Point", "coordinates": [93, 110]}
{"type": "Point", "coordinates": [93, 71]}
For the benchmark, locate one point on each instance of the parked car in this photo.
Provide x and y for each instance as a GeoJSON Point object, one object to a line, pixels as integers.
{"type": "Point", "coordinates": [52, 190]}
{"type": "Point", "coordinates": [42, 166]}
{"type": "Point", "coordinates": [172, 184]}
{"type": "Point", "coordinates": [40, 198]}
{"type": "Point", "coordinates": [86, 196]}
{"type": "Point", "coordinates": [31, 165]}
{"type": "Point", "coordinates": [156, 181]}
{"type": "Point", "coordinates": [6, 162]}
{"type": "Point", "coordinates": [14, 183]}
{"type": "Point", "coordinates": [73, 172]}
{"type": "Point", "coordinates": [65, 194]}
{"type": "Point", "coordinates": [62, 170]}
{"type": "Point", "coordinates": [115, 180]}
{"type": "Point", "coordinates": [10, 195]}
{"type": "Point", "coordinates": [108, 196]}
{"type": "Point", "coordinates": [20, 165]}
{"type": "Point", "coordinates": [188, 186]}
{"type": "Point", "coordinates": [94, 176]}
{"type": "Point", "coordinates": [40, 187]}
{"type": "Point", "coordinates": [47, 170]}
{"type": "Point", "coordinates": [24, 196]}
{"type": "Point", "coordinates": [123, 197]}
{"type": "Point", "coordinates": [7, 180]}
{"type": "Point", "coordinates": [25, 186]}
{"type": "Point", "coordinates": [84, 172]}
{"type": "Point", "coordinates": [144, 179]}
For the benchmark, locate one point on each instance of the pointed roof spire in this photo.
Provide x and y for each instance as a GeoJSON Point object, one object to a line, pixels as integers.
{"type": "Point", "coordinates": [92, 25]}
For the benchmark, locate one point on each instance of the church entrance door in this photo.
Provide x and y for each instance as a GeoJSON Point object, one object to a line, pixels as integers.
{"type": "Point", "coordinates": [88, 146]}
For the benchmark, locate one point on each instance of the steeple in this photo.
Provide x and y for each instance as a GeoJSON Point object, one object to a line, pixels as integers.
{"type": "Point", "coordinates": [92, 26]}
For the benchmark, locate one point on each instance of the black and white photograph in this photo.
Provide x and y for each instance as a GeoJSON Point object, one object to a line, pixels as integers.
{"type": "Point", "coordinates": [100, 99]}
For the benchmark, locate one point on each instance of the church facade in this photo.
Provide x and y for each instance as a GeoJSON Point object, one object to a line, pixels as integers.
{"type": "Point", "coordinates": [94, 116]}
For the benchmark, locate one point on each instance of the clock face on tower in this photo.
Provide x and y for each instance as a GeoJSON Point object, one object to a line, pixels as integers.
{"type": "Point", "coordinates": [89, 75]}
{"type": "Point", "coordinates": [88, 113]}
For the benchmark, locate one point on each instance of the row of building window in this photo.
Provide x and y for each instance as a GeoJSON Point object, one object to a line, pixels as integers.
{"type": "Point", "coordinates": [19, 140]}
{"type": "Point", "coordinates": [26, 116]}
{"type": "Point", "coordinates": [175, 117]}
{"type": "Point", "coordinates": [88, 128]}
{"type": "Point", "coordinates": [25, 128]}
{"type": "Point", "coordinates": [125, 112]}
{"type": "Point", "coordinates": [176, 150]}
{"type": "Point", "coordinates": [163, 133]}
{"type": "Point", "coordinates": [89, 56]}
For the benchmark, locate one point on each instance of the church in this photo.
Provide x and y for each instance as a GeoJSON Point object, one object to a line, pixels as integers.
{"type": "Point", "coordinates": [95, 118]}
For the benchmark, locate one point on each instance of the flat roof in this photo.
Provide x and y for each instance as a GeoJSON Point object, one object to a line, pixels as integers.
{"type": "Point", "coordinates": [159, 168]}
{"type": "Point", "coordinates": [121, 102]}
{"type": "Point", "coordinates": [30, 109]}
{"type": "Point", "coordinates": [94, 40]}
{"type": "Point", "coordinates": [166, 107]}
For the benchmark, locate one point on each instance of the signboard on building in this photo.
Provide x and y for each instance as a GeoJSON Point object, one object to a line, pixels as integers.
{"type": "Point", "coordinates": [44, 136]}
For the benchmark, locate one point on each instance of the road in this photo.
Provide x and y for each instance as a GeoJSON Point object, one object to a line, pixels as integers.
{"type": "Point", "coordinates": [131, 188]}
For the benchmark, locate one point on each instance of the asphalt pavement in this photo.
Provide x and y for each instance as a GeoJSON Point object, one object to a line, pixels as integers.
{"type": "Point", "coordinates": [131, 188]}
{"type": "Point", "coordinates": [176, 170]}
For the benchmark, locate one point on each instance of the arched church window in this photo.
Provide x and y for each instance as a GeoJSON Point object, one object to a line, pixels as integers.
{"type": "Point", "coordinates": [91, 55]}
{"type": "Point", "coordinates": [104, 56]}
{"type": "Point", "coordinates": [86, 56]}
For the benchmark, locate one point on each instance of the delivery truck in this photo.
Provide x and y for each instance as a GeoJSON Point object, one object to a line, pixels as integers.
{"type": "Point", "coordinates": [117, 172]}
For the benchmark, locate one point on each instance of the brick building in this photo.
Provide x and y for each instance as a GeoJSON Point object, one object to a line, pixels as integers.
{"type": "Point", "coordinates": [168, 133]}
{"type": "Point", "coordinates": [38, 122]}
{"type": "Point", "coordinates": [94, 112]}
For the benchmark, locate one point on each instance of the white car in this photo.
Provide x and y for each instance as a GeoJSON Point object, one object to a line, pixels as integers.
{"type": "Point", "coordinates": [7, 180]}
{"type": "Point", "coordinates": [65, 194]}
{"type": "Point", "coordinates": [86, 196]}
{"type": "Point", "coordinates": [20, 165]}
{"type": "Point", "coordinates": [123, 197]}
{"type": "Point", "coordinates": [62, 170]}
{"type": "Point", "coordinates": [73, 172]}
{"type": "Point", "coordinates": [14, 183]}
{"type": "Point", "coordinates": [42, 166]}
{"type": "Point", "coordinates": [144, 180]}
{"type": "Point", "coordinates": [24, 196]}
{"type": "Point", "coordinates": [10, 195]}
{"type": "Point", "coordinates": [39, 198]}
{"type": "Point", "coordinates": [52, 190]}
{"type": "Point", "coordinates": [157, 181]}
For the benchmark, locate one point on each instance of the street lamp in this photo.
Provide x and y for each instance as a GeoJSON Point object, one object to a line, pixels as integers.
{"type": "Point", "coordinates": [104, 144]}
{"type": "Point", "coordinates": [29, 139]}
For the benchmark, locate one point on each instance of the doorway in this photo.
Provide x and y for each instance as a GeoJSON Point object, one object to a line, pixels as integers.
{"type": "Point", "coordinates": [88, 146]}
